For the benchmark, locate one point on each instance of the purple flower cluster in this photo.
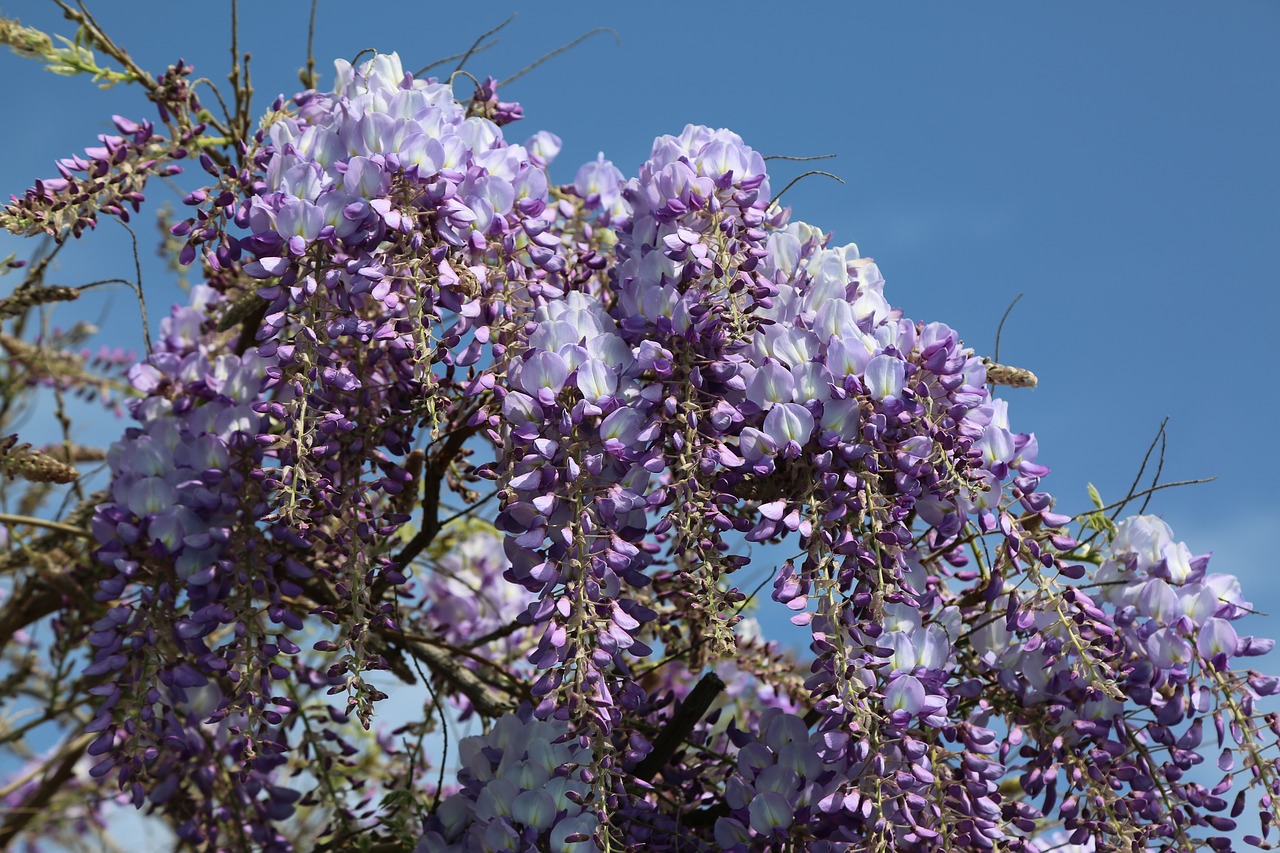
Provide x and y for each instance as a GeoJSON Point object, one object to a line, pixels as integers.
{"type": "Point", "coordinates": [391, 226]}
{"type": "Point", "coordinates": [584, 416]}
{"type": "Point", "coordinates": [514, 794]}
{"type": "Point", "coordinates": [380, 209]}
{"type": "Point", "coordinates": [108, 178]}
{"type": "Point", "coordinates": [685, 257]}
{"type": "Point", "coordinates": [170, 531]}
{"type": "Point", "coordinates": [1124, 676]}
{"type": "Point", "coordinates": [381, 154]}
{"type": "Point", "coordinates": [1172, 610]}
{"type": "Point", "coordinates": [174, 490]}
{"type": "Point", "coordinates": [733, 358]}
{"type": "Point", "coordinates": [660, 373]}
{"type": "Point", "coordinates": [780, 784]}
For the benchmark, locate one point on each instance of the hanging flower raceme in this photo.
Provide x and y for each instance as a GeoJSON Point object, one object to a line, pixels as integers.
{"type": "Point", "coordinates": [576, 453]}
{"type": "Point", "coordinates": [683, 291]}
{"type": "Point", "coordinates": [399, 237]}
{"type": "Point", "coordinates": [181, 615]}
{"type": "Point", "coordinates": [1160, 627]}
{"type": "Point", "coordinates": [512, 794]}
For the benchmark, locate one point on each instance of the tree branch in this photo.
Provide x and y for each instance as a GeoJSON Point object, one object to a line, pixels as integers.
{"type": "Point", "coordinates": [487, 700]}
{"type": "Point", "coordinates": [432, 477]}
{"type": "Point", "coordinates": [18, 818]}
{"type": "Point", "coordinates": [677, 729]}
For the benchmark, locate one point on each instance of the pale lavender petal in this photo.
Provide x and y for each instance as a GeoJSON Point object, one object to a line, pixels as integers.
{"type": "Point", "coordinates": [544, 370]}
{"type": "Point", "coordinates": [788, 422]}
{"type": "Point", "coordinates": [885, 377]}
{"type": "Point", "coordinates": [1217, 637]}
{"type": "Point", "coordinates": [771, 384]}
{"type": "Point", "coordinates": [841, 417]}
{"type": "Point", "coordinates": [769, 811]}
{"type": "Point", "coordinates": [904, 693]}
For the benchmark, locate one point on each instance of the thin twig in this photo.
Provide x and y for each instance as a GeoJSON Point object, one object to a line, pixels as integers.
{"type": "Point", "coordinates": [234, 75]}
{"type": "Point", "coordinates": [798, 178]}
{"type": "Point", "coordinates": [460, 73]}
{"type": "Point", "coordinates": [309, 80]}
{"type": "Point", "coordinates": [225, 130]}
{"type": "Point", "coordinates": [137, 286]}
{"type": "Point", "coordinates": [1155, 481]}
{"type": "Point", "coordinates": [1141, 469]}
{"type": "Point", "coordinates": [460, 513]}
{"type": "Point", "coordinates": [995, 356]}
{"type": "Point", "coordinates": [29, 521]}
{"type": "Point", "coordinates": [246, 120]}
{"type": "Point", "coordinates": [1122, 502]}
{"type": "Point", "coordinates": [476, 44]}
{"type": "Point", "coordinates": [444, 727]}
{"type": "Point", "coordinates": [559, 50]}
{"type": "Point", "coordinates": [424, 69]}
{"type": "Point", "coordinates": [801, 159]}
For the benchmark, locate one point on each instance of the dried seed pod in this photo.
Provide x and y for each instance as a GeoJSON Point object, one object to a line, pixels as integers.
{"type": "Point", "coordinates": [20, 460]}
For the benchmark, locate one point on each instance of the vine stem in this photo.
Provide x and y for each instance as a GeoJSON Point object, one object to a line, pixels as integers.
{"type": "Point", "coordinates": [70, 529]}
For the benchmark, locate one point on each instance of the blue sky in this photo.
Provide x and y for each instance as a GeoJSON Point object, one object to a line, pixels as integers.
{"type": "Point", "coordinates": [1114, 161]}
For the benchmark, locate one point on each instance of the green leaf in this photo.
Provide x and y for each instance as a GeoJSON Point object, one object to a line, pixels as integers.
{"type": "Point", "coordinates": [1095, 497]}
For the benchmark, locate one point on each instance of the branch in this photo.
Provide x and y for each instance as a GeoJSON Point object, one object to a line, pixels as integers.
{"type": "Point", "coordinates": [424, 69]}
{"type": "Point", "coordinates": [252, 322]}
{"type": "Point", "coordinates": [498, 633]}
{"type": "Point", "coordinates": [559, 50]}
{"type": "Point", "coordinates": [677, 729]}
{"type": "Point", "coordinates": [47, 591]}
{"type": "Point", "coordinates": [308, 76]}
{"type": "Point", "coordinates": [69, 529]}
{"type": "Point", "coordinates": [19, 817]}
{"type": "Point", "coordinates": [488, 701]}
{"type": "Point", "coordinates": [995, 356]}
{"type": "Point", "coordinates": [801, 159]}
{"type": "Point", "coordinates": [798, 178]}
{"type": "Point", "coordinates": [475, 45]}
{"type": "Point", "coordinates": [1137, 478]}
{"type": "Point", "coordinates": [103, 41]}
{"type": "Point", "coordinates": [432, 477]}
{"type": "Point", "coordinates": [1120, 503]}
